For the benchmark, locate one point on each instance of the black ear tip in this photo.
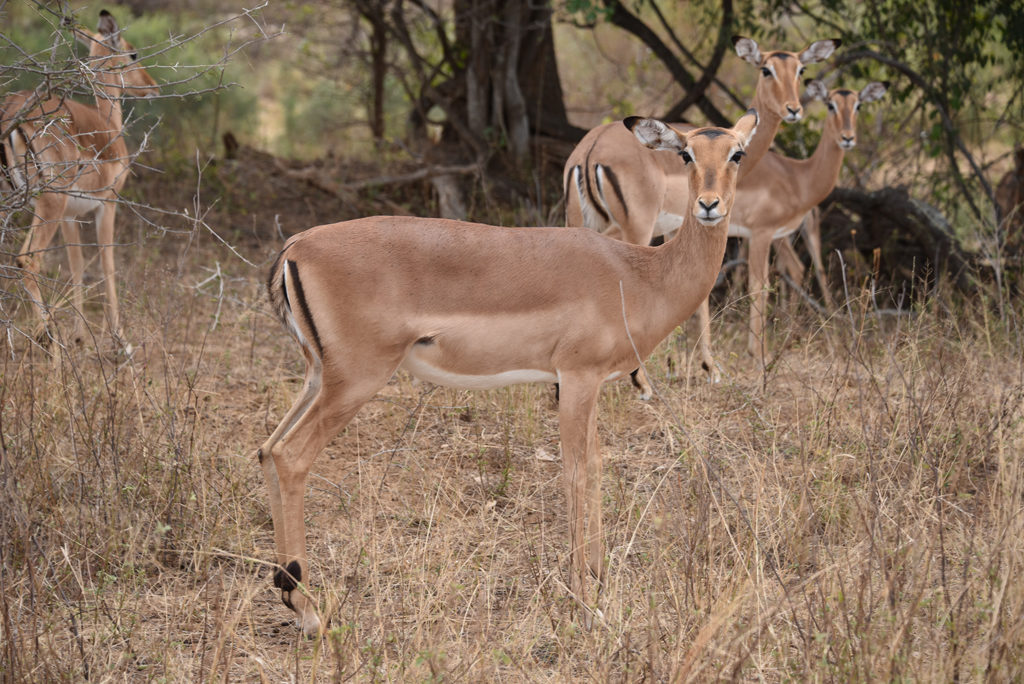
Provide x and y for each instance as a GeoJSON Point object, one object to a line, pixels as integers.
{"type": "Point", "coordinates": [887, 84]}
{"type": "Point", "coordinates": [105, 13]}
{"type": "Point", "coordinates": [837, 42]}
{"type": "Point", "coordinates": [808, 81]}
{"type": "Point", "coordinates": [631, 121]}
{"type": "Point", "coordinates": [736, 39]}
{"type": "Point", "coordinates": [757, 117]}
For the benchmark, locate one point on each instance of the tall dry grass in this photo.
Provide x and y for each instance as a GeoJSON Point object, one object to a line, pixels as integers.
{"type": "Point", "coordinates": [854, 513]}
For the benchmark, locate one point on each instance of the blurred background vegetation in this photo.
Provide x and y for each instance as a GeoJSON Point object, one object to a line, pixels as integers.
{"type": "Point", "coordinates": [367, 89]}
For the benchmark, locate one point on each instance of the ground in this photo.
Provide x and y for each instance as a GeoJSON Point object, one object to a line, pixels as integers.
{"type": "Point", "coordinates": [853, 513]}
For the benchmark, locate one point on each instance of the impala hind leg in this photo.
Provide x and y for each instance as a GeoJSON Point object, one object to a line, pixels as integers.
{"type": "Point", "coordinates": [811, 229]}
{"type": "Point", "coordinates": [39, 237]}
{"type": "Point", "coordinates": [581, 480]}
{"type": "Point", "coordinates": [313, 423]}
{"type": "Point", "coordinates": [72, 234]}
{"type": "Point", "coordinates": [757, 281]}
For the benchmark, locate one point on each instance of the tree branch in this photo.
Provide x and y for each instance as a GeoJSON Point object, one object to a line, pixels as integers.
{"type": "Point", "coordinates": [627, 21]}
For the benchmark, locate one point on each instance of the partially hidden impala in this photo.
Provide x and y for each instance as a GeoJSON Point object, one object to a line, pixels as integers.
{"type": "Point", "coordinates": [614, 189]}
{"type": "Point", "coordinates": [71, 158]}
{"type": "Point", "coordinates": [475, 306]}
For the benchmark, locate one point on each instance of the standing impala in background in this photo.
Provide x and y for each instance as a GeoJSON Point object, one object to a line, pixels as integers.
{"type": "Point", "coordinates": [773, 200]}
{"type": "Point", "coordinates": [473, 306]}
{"type": "Point", "coordinates": [72, 157]}
{"type": "Point", "coordinates": [617, 189]}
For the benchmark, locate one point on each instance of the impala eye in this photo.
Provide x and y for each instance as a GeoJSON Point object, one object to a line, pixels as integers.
{"type": "Point", "coordinates": [686, 157]}
{"type": "Point", "coordinates": [735, 159]}
{"type": "Point", "coordinates": [856, 107]}
{"type": "Point", "coordinates": [766, 71]}
{"type": "Point", "coordinates": [135, 56]}
{"type": "Point", "coordinates": [831, 106]}
{"type": "Point", "coordinates": [802, 70]}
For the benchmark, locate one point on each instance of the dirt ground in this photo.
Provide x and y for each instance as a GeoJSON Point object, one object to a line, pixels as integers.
{"type": "Point", "coordinates": [855, 513]}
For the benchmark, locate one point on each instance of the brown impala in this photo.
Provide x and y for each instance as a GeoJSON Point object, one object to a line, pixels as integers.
{"type": "Point", "coordinates": [473, 306]}
{"type": "Point", "coordinates": [73, 157]}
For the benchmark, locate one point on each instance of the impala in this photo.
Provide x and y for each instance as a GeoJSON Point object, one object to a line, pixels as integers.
{"type": "Point", "coordinates": [617, 189]}
{"type": "Point", "coordinates": [774, 200]}
{"type": "Point", "coordinates": [73, 159]}
{"type": "Point", "coordinates": [473, 306]}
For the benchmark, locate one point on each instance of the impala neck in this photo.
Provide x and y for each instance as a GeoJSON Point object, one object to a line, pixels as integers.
{"type": "Point", "coordinates": [820, 172]}
{"type": "Point", "coordinates": [767, 127]}
{"type": "Point", "coordinates": [682, 273]}
{"type": "Point", "coordinates": [108, 104]}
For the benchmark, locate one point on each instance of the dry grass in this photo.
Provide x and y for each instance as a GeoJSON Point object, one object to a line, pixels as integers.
{"type": "Point", "coordinates": [855, 514]}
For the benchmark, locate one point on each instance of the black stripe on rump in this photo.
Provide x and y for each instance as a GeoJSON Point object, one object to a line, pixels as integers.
{"type": "Point", "coordinates": [4, 164]}
{"type": "Point", "coordinates": [300, 296]}
{"type": "Point", "coordinates": [614, 180]}
{"type": "Point", "coordinates": [594, 200]}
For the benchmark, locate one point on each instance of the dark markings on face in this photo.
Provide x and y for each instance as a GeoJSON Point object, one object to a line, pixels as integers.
{"type": "Point", "coordinates": [614, 180]}
{"type": "Point", "coordinates": [780, 55]}
{"type": "Point", "coordinates": [844, 92]}
{"type": "Point", "coordinates": [709, 179]}
{"type": "Point", "coordinates": [709, 133]}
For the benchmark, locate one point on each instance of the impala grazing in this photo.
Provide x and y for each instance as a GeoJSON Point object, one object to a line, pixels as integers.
{"type": "Point", "coordinates": [73, 159]}
{"type": "Point", "coordinates": [774, 200]}
{"type": "Point", "coordinates": [616, 189]}
{"type": "Point", "coordinates": [473, 306]}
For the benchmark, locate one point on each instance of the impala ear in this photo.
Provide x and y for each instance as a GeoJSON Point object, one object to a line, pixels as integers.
{"type": "Point", "coordinates": [816, 89]}
{"type": "Point", "coordinates": [819, 51]}
{"type": "Point", "coordinates": [747, 49]}
{"type": "Point", "coordinates": [746, 126]}
{"type": "Point", "coordinates": [873, 91]}
{"type": "Point", "coordinates": [109, 29]}
{"type": "Point", "coordinates": [655, 134]}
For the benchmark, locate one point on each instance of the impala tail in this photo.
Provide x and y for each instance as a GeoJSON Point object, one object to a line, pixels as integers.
{"type": "Point", "coordinates": [592, 184]}
{"type": "Point", "coordinates": [284, 285]}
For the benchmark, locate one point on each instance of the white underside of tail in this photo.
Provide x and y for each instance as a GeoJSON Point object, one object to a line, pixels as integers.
{"type": "Point", "coordinates": [289, 317]}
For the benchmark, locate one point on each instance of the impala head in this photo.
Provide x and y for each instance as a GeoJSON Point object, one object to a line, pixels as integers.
{"type": "Point", "coordinates": [712, 157]}
{"type": "Point", "coordinates": [778, 86]}
{"type": "Point", "coordinates": [843, 105]}
{"type": "Point", "coordinates": [115, 60]}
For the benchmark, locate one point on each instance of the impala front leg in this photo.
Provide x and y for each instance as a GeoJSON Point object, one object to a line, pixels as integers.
{"type": "Point", "coordinates": [105, 233]}
{"type": "Point", "coordinates": [757, 276]}
{"type": "Point", "coordinates": [577, 422]}
{"type": "Point", "coordinates": [704, 341]}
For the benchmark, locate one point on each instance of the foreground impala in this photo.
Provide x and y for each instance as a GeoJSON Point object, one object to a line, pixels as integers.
{"type": "Point", "coordinates": [774, 200]}
{"type": "Point", "coordinates": [73, 159]}
{"type": "Point", "coordinates": [473, 306]}
{"type": "Point", "coordinates": [616, 189]}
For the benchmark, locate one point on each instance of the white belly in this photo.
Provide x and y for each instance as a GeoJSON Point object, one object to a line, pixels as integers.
{"type": "Point", "coordinates": [419, 368]}
{"type": "Point", "coordinates": [80, 204]}
{"type": "Point", "coordinates": [744, 232]}
{"type": "Point", "coordinates": [667, 223]}
{"type": "Point", "coordinates": [739, 231]}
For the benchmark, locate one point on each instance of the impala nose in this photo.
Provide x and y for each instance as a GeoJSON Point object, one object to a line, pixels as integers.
{"type": "Point", "coordinates": [794, 113]}
{"type": "Point", "coordinates": [708, 212]}
{"type": "Point", "coordinates": [847, 141]}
